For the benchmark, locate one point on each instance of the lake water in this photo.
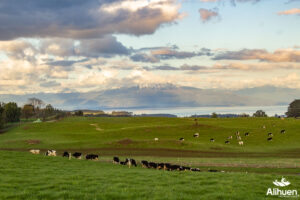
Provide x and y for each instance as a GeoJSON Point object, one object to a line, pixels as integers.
{"type": "Point", "coordinates": [183, 112]}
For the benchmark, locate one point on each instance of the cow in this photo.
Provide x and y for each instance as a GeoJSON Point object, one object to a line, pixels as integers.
{"type": "Point", "coordinates": [152, 165]}
{"type": "Point", "coordinates": [247, 134]}
{"type": "Point", "coordinates": [77, 155]}
{"type": "Point", "coordinates": [116, 160]}
{"type": "Point", "coordinates": [130, 161]}
{"type": "Point", "coordinates": [229, 138]}
{"type": "Point", "coordinates": [67, 154]}
{"type": "Point", "coordinates": [196, 135]}
{"type": "Point", "coordinates": [181, 139]}
{"type": "Point", "coordinates": [155, 139]}
{"type": "Point", "coordinates": [264, 126]}
{"type": "Point", "coordinates": [167, 166]}
{"type": "Point", "coordinates": [227, 142]}
{"type": "Point", "coordinates": [270, 139]}
{"type": "Point", "coordinates": [238, 138]}
{"type": "Point", "coordinates": [186, 168]}
{"type": "Point", "coordinates": [212, 140]}
{"type": "Point", "coordinates": [237, 133]}
{"type": "Point", "coordinates": [51, 153]}
{"type": "Point", "coordinates": [34, 151]}
{"type": "Point", "coordinates": [195, 169]}
{"type": "Point", "coordinates": [160, 165]}
{"type": "Point", "coordinates": [213, 170]}
{"type": "Point", "coordinates": [92, 157]}
{"type": "Point", "coordinates": [122, 163]}
{"type": "Point", "coordinates": [133, 162]}
{"type": "Point", "coordinates": [145, 164]}
{"type": "Point", "coordinates": [241, 143]}
{"type": "Point", "coordinates": [270, 134]}
{"type": "Point", "coordinates": [282, 131]}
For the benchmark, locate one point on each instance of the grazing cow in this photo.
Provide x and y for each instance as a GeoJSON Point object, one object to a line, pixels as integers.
{"type": "Point", "coordinates": [282, 131]}
{"type": "Point", "coordinates": [67, 154]}
{"type": "Point", "coordinates": [145, 164]}
{"type": "Point", "coordinates": [51, 153]}
{"type": "Point", "coordinates": [238, 138]}
{"type": "Point", "coordinates": [160, 165]}
{"type": "Point", "coordinates": [116, 160]}
{"type": "Point", "coordinates": [213, 170]}
{"type": "Point", "coordinates": [229, 138]}
{"type": "Point", "coordinates": [181, 139]}
{"type": "Point", "coordinates": [152, 165]}
{"type": "Point", "coordinates": [212, 140]}
{"type": "Point", "coordinates": [264, 126]}
{"type": "Point", "coordinates": [77, 155]}
{"type": "Point", "coordinates": [195, 170]}
{"type": "Point", "coordinates": [241, 143]}
{"type": "Point", "coordinates": [227, 142]}
{"type": "Point", "coordinates": [270, 139]}
{"type": "Point", "coordinates": [92, 157]}
{"type": "Point", "coordinates": [34, 151]}
{"type": "Point", "coordinates": [155, 139]}
{"type": "Point", "coordinates": [237, 133]}
{"type": "Point", "coordinates": [247, 134]}
{"type": "Point", "coordinates": [133, 162]}
{"type": "Point", "coordinates": [196, 135]}
{"type": "Point", "coordinates": [186, 168]}
{"type": "Point", "coordinates": [122, 163]}
{"type": "Point", "coordinates": [167, 166]}
{"type": "Point", "coordinates": [270, 134]}
{"type": "Point", "coordinates": [174, 167]}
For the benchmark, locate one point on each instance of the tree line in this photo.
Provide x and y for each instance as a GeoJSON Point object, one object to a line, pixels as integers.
{"type": "Point", "coordinates": [34, 108]}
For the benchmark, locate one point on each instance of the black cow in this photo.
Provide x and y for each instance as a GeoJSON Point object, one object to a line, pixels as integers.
{"type": "Point", "coordinates": [77, 155]}
{"type": "Point", "coordinates": [92, 157]}
{"type": "Point", "coordinates": [160, 165]}
{"type": "Point", "coordinates": [145, 164]}
{"type": "Point", "coordinates": [227, 142]}
{"type": "Point", "coordinates": [213, 170]}
{"type": "Point", "coordinates": [133, 162]}
{"type": "Point", "coordinates": [152, 165]}
{"type": "Point", "coordinates": [186, 168]}
{"type": "Point", "coordinates": [270, 139]}
{"type": "Point", "coordinates": [67, 154]}
{"type": "Point", "coordinates": [174, 167]}
{"type": "Point", "coordinates": [116, 160]}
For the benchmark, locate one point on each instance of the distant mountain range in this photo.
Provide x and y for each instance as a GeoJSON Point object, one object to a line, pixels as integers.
{"type": "Point", "coordinates": [162, 96]}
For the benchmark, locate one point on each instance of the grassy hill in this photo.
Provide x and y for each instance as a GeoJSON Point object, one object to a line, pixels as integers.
{"type": "Point", "coordinates": [136, 134]}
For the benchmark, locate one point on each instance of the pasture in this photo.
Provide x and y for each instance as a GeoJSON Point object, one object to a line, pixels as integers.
{"type": "Point", "coordinates": [248, 170]}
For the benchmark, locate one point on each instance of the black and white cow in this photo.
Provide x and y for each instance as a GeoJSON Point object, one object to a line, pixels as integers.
{"type": "Point", "coordinates": [116, 160]}
{"type": "Point", "coordinates": [270, 139]}
{"type": "Point", "coordinates": [67, 154]}
{"type": "Point", "coordinates": [227, 142]}
{"type": "Point", "coordinates": [212, 140]}
{"type": "Point", "coordinates": [282, 131]}
{"type": "Point", "coordinates": [92, 157]}
{"type": "Point", "coordinates": [51, 153]}
{"type": "Point", "coordinates": [145, 164]}
{"type": "Point", "coordinates": [181, 139]}
{"type": "Point", "coordinates": [247, 134]}
{"type": "Point", "coordinates": [270, 134]}
{"type": "Point", "coordinates": [77, 155]}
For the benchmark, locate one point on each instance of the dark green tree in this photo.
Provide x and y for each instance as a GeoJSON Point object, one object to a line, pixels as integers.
{"type": "Point", "coordinates": [79, 113]}
{"type": "Point", "coordinates": [294, 109]}
{"type": "Point", "coordinates": [214, 115]}
{"type": "Point", "coordinates": [2, 115]}
{"type": "Point", "coordinates": [260, 113]}
{"type": "Point", "coordinates": [12, 112]}
{"type": "Point", "coordinates": [28, 111]}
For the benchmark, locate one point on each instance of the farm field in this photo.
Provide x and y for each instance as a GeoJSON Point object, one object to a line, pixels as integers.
{"type": "Point", "coordinates": [244, 172]}
{"type": "Point", "coordinates": [27, 176]}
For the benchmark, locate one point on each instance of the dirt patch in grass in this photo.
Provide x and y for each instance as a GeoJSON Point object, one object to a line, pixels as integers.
{"type": "Point", "coordinates": [25, 127]}
{"type": "Point", "coordinates": [97, 127]}
{"type": "Point", "coordinates": [125, 141]}
{"type": "Point", "coordinates": [33, 141]}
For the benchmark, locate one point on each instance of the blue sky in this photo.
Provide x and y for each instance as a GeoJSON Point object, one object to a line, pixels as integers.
{"type": "Point", "coordinates": [68, 46]}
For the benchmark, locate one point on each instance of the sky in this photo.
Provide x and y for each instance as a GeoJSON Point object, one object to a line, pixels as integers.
{"type": "Point", "coordinates": [81, 46]}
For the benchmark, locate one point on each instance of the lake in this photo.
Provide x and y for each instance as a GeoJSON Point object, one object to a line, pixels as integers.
{"type": "Point", "coordinates": [183, 112]}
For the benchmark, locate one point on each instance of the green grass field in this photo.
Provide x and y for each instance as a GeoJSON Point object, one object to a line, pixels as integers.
{"type": "Point", "coordinates": [26, 176]}
{"type": "Point", "coordinates": [248, 170]}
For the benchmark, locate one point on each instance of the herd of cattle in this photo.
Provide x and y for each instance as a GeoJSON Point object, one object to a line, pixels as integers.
{"type": "Point", "coordinates": [128, 161]}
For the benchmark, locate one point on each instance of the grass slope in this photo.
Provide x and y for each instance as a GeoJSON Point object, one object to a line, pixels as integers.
{"type": "Point", "coordinates": [26, 176]}
{"type": "Point", "coordinates": [139, 133]}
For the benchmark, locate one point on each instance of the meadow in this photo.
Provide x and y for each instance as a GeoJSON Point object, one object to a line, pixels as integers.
{"type": "Point", "coordinates": [244, 172]}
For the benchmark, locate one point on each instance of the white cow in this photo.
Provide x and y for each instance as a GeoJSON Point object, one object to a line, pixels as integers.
{"type": "Point", "coordinates": [34, 151]}
{"type": "Point", "coordinates": [155, 139]}
{"type": "Point", "coordinates": [241, 143]}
